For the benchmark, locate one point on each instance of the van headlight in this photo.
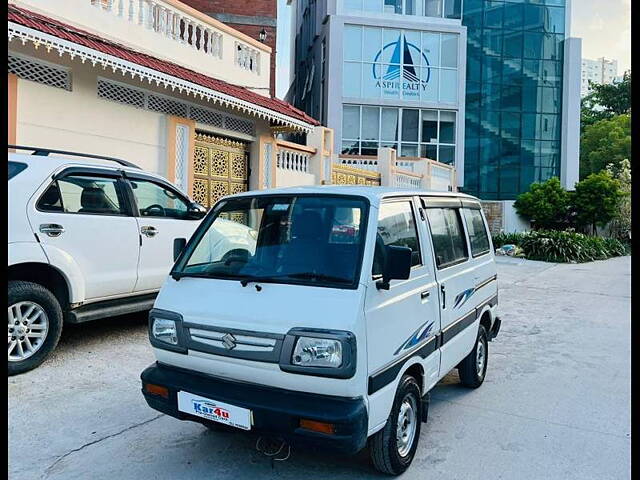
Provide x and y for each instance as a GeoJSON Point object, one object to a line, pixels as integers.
{"type": "Point", "coordinates": [312, 351]}
{"type": "Point", "coordinates": [317, 352]}
{"type": "Point", "coordinates": [166, 331]}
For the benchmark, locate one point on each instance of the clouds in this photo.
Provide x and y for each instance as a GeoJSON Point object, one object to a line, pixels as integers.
{"type": "Point", "coordinates": [605, 29]}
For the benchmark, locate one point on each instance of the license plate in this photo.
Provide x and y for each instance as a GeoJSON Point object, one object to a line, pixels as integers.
{"type": "Point", "coordinates": [214, 410]}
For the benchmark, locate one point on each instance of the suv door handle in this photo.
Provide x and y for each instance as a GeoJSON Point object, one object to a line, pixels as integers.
{"type": "Point", "coordinates": [51, 229]}
{"type": "Point", "coordinates": [149, 230]}
{"type": "Point", "coordinates": [425, 294]}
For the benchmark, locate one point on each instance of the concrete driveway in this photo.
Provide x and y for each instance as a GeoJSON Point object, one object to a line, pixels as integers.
{"type": "Point", "coordinates": [555, 404]}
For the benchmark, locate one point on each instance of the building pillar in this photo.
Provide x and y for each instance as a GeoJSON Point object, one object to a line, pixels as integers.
{"type": "Point", "coordinates": [570, 147]}
{"type": "Point", "coordinates": [321, 138]}
{"type": "Point", "coordinates": [181, 134]}
{"type": "Point", "coordinates": [386, 165]}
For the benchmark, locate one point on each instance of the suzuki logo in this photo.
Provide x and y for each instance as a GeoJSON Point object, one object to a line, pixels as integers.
{"type": "Point", "coordinates": [229, 341]}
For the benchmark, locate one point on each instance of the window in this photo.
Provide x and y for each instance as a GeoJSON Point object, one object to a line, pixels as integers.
{"type": "Point", "coordinates": [478, 236]}
{"type": "Point", "coordinates": [15, 168]}
{"type": "Point", "coordinates": [424, 133]}
{"type": "Point", "coordinates": [428, 8]}
{"type": "Point", "coordinates": [396, 226]}
{"type": "Point", "coordinates": [449, 243]}
{"type": "Point", "coordinates": [84, 194]}
{"type": "Point", "coordinates": [156, 200]}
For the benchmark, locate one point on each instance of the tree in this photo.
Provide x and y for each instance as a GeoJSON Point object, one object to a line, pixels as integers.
{"type": "Point", "coordinates": [606, 141]}
{"type": "Point", "coordinates": [546, 204]}
{"type": "Point", "coordinates": [595, 200]}
{"type": "Point", "coordinates": [606, 101]}
{"type": "Point", "coordinates": [621, 225]}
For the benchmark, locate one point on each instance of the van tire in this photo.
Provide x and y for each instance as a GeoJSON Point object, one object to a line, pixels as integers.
{"type": "Point", "coordinates": [471, 373]}
{"type": "Point", "coordinates": [383, 445]}
{"type": "Point", "coordinates": [21, 291]}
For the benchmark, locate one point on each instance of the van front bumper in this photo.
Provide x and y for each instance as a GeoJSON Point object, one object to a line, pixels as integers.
{"type": "Point", "coordinates": [275, 411]}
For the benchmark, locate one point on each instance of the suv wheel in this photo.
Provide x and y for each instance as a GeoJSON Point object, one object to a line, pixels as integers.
{"type": "Point", "coordinates": [392, 448]}
{"type": "Point", "coordinates": [34, 323]}
{"type": "Point", "coordinates": [473, 368]}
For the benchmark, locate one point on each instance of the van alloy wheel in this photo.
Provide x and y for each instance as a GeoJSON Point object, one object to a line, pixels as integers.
{"type": "Point", "coordinates": [28, 326]}
{"type": "Point", "coordinates": [406, 427]}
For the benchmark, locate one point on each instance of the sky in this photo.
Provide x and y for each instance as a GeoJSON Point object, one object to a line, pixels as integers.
{"type": "Point", "coordinates": [603, 25]}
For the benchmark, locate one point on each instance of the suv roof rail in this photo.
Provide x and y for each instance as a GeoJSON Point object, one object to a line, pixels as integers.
{"type": "Point", "coordinates": [44, 152]}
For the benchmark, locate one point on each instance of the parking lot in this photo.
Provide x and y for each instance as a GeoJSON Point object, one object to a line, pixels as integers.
{"type": "Point", "coordinates": [555, 404]}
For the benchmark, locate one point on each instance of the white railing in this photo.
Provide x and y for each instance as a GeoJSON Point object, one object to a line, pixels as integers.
{"type": "Point", "coordinates": [247, 57]}
{"type": "Point", "coordinates": [168, 21]}
{"type": "Point", "coordinates": [363, 162]}
{"type": "Point", "coordinates": [293, 157]}
{"type": "Point", "coordinates": [405, 179]}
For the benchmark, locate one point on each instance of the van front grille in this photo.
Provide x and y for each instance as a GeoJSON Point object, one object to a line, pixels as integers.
{"type": "Point", "coordinates": [249, 345]}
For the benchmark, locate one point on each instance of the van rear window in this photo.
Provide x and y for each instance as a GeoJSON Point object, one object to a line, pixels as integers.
{"type": "Point", "coordinates": [15, 168]}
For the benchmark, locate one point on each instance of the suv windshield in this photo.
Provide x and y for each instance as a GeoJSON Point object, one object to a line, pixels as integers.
{"type": "Point", "coordinates": [15, 168]}
{"type": "Point", "coordinates": [303, 239]}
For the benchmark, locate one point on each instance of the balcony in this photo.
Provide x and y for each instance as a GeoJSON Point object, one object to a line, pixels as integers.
{"type": "Point", "coordinates": [171, 31]}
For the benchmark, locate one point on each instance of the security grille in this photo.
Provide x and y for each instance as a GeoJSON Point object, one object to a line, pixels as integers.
{"type": "Point", "coordinates": [140, 98]}
{"type": "Point", "coordinates": [204, 115]}
{"type": "Point", "coordinates": [237, 125]}
{"type": "Point", "coordinates": [119, 93]}
{"type": "Point", "coordinates": [41, 72]}
{"type": "Point", "coordinates": [166, 105]}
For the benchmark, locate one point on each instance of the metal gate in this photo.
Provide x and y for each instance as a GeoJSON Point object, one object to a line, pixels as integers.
{"type": "Point", "coordinates": [220, 167]}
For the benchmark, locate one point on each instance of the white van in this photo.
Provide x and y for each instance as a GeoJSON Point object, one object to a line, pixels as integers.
{"type": "Point", "coordinates": [346, 307]}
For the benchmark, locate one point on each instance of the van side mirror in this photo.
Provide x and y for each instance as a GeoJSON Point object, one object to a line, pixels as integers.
{"type": "Point", "coordinates": [178, 247]}
{"type": "Point", "coordinates": [196, 211]}
{"type": "Point", "coordinates": [397, 265]}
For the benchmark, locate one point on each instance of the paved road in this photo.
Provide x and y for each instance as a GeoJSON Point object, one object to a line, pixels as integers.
{"type": "Point", "coordinates": [555, 404]}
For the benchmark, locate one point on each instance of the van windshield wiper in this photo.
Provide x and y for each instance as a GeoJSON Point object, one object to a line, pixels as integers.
{"type": "Point", "coordinates": [300, 275]}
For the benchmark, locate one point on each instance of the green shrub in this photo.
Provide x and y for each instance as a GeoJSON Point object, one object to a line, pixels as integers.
{"type": "Point", "coordinates": [545, 204]}
{"type": "Point", "coordinates": [562, 247]}
{"type": "Point", "coordinates": [596, 200]}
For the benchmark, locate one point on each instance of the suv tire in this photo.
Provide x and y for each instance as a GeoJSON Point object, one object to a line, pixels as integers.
{"type": "Point", "coordinates": [43, 315]}
{"type": "Point", "coordinates": [389, 453]}
{"type": "Point", "coordinates": [473, 368]}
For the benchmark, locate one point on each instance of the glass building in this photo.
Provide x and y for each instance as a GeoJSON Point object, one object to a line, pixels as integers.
{"type": "Point", "coordinates": [514, 95]}
{"type": "Point", "coordinates": [491, 86]}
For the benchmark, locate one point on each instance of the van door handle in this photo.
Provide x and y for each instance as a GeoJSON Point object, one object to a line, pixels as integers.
{"type": "Point", "coordinates": [444, 297]}
{"type": "Point", "coordinates": [51, 229]}
{"type": "Point", "coordinates": [148, 230]}
{"type": "Point", "coordinates": [425, 294]}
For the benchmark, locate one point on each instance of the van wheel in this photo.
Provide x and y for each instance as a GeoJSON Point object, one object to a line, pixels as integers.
{"type": "Point", "coordinates": [473, 368]}
{"type": "Point", "coordinates": [392, 449]}
{"type": "Point", "coordinates": [35, 325]}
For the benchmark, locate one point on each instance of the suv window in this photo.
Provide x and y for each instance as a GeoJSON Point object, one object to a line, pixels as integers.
{"type": "Point", "coordinates": [478, 236]}
{"type": "Point", "coordinates": [83, 194]}
{"type": "Point", "coordinates": [396, 226]}
{"type": "Point", "coordinates": [449, 243]}
{"type": "Point", "coordinates": [155, 200]}
{"type": "Point", "coordinates": [15, 168]}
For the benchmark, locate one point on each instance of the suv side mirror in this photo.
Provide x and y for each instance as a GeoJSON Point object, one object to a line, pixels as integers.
{"type": "Point", "coordinates": [196, 211]}
{"type": "Point", "coordinates": [178, 247]}
{"type": "Point", "coordinates": [397, 265]}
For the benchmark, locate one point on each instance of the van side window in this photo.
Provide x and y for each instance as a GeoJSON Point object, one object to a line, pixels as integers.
{"type": "Point", "coordinates": [478, 236]}
{"type": "Point", "coordinates": [83, 194]}
{"type": "Point", "coordinates": [449, 243]}
{"type": "Point", "coordinates": [396, 226]}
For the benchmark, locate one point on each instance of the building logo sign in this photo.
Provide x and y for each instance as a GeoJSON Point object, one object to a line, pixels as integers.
{"type": "Point", "coordinates": [404, 74]}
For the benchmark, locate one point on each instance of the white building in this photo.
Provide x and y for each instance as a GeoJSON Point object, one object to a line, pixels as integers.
{"type": "Point", "coordinates": [600, 71]}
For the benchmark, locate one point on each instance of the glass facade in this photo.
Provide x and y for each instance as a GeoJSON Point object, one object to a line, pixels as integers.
{"type": "Point", "coordinates": [513, 95]}
{"type": "Point", "coordinates": [427, 8]}
{"type": "Point", "coordinates": [411, 132]}
{"type": "Point", "coordinates": [396, 64]}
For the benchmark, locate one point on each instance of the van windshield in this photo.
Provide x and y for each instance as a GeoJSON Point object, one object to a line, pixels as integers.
{"type": "Point", "coordinates": [303, 239]}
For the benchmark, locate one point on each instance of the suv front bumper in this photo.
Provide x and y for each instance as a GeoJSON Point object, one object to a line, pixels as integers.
{"type": "Point", "coordinates": [275, 411]}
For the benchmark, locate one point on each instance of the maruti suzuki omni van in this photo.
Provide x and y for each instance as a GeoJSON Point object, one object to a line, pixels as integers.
{"type": "Point", "coordinates": [326, 316]}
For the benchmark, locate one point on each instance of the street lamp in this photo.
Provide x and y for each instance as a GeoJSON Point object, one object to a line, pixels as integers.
{"type": "Point", "coordinates": [262, 35]}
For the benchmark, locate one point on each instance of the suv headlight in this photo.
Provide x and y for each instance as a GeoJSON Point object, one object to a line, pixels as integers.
{"type": "Point", "coordinates": [317, 352]}
{"type": "Point", "coordinates": [313, 351]}
{"type": "Point", "coordinates": [166, 331]}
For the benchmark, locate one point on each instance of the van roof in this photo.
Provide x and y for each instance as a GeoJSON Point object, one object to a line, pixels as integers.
{"type": "Point", "coordinates": [374, 194]}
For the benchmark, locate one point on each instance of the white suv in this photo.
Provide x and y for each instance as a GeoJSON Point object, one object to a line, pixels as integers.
{"type": "Point", "coordinates": [89, 237]}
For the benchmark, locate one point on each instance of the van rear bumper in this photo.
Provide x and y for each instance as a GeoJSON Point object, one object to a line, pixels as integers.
{"type": "Point", "coordinates": [275, 411]}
